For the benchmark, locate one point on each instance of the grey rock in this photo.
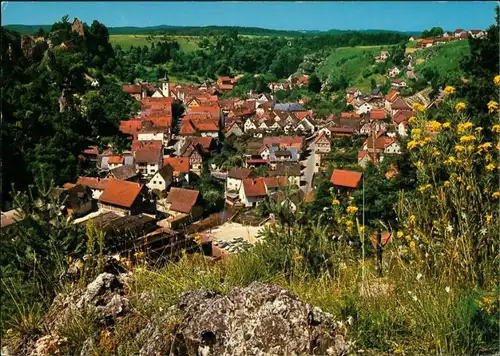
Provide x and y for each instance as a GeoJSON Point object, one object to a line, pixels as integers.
{"type": "Point", "coordinates": [260, 319]}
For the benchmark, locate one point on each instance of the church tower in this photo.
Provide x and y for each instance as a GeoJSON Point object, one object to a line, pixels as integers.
{"type": "Point", "coordinates": [165, 86]}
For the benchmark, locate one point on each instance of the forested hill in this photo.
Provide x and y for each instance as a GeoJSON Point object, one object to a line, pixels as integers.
{"type": "Point", "coordinates": [204, 30]}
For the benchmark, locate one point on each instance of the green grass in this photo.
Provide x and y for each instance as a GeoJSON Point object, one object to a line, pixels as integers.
{"type": "Point", "coordinates": [352, 62]}
{"type": "Point", "coordinates": [445, 58]}
{"type": "Point", "coordinates": [187, 43]}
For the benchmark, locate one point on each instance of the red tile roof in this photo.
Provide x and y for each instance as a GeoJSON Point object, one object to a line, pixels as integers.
{"type": "Point", "coordinates": [187, 128]}
{"type": "Point", "coordinates": [254, 187]}
{"type": "Point", "coordinates": [130, 127]}
{"type": "Point", "coordinates": [92, 150]}
{"type": "Point", "coordinates": [372, 155]}
{"type": "Point", "coordinates": [380, 143]}
{"type": "Point", "coordinates": [225, 86]}
{"type": "Point", "coordinates": [319, 137]}
{"type": "Point", "coordinates": [205, 108]}
{"type": "Point", "coordinates": [149, 154]}
{"type": "Point", "coordinates": [272, 182]}
{"type": "Point", "coordinates": [345, 178]}
{"type": "Point", "coordinates": [179, 164]}
{"type": "Point", "coordinates": [121, 193]}
{"type": "Point", "coordinates": [393, 95]}
{"type": "Point", "coordinates": [116, 160]}
{"type": "Point", "coordinates": [349, 115]}
{"type": "Point", "coordinates": [93, 183]}
{"type": "Point", "coordinates": [284, 140]}
{"type": "Point", "coordinates": [377, 114]}
{"type": "Point", "coordinates": [205, 142]}
{"type": "Point", "coordinates": [402, 116]}
{"type": "Point", "coordinates": [182, 200]}
{"type": "Point", "coordinates": [400, 104]}
{"type": "Point", "coordinates": [136, 144]}
{"type": "Point", "coordinates": [132, 89]}
{"type": "Point", "coordinates": [206, 126]}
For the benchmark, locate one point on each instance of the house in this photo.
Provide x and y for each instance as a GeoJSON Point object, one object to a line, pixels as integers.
{"type": "Point", "coordinates": [233, 129]}
{"type": "Point", "coordinates": [322, 144]}
{"type": "Point", "coordinates": [115, 162]}
{"type": "Point", "coordinates": [477, 33]}
{"type": "Point", "coordinates": [76, 200]}
{"type": "Point", "coordinates": [274, 184]}
{"type": "Point", "coordinates": [292, 201]}
{"type": "Point", "coordinates": [153, 135]}
{"type": "Point", "coordinates": [182, 205]}
{"type": "Point", "coordinates": [345, 180]}
{"type": "Point", "coordinates": [265, 152]}
{"type": "Point", "coordinates": [225, 83]}
{"type": "Point", "coordinates": [459, 32]}
{"type": "Point", "coordinates": [350, 115]}
{"type": "Point", "coordinates": [263, 98]}
{"type": "Point", "coordinates": [414, 38]}
{"type": "Point", "coordinates": [382, 144]}
{"type": "Point", "coordinates": [77, 27]}
{"type": "Point", "coordinates": [390, 98]}
{"type": "Point", "coordinates": [399, 104]}
{"type": "Point", "coordinates": [352, 93]}
{"type": "Point", "coordinates": [364, 109]}
{"type": "Point", "coordinates": [249, 125]}
{"type": "Point", "coordinates": [285, 141]}
{"type": "Point", "coordinates": [400, 121]}
{"type": "Point", "coordinates": [180, 166]}
{"type": "Point", "coordinates": [235, 177]}
{"type": "Point", "coordinates": [345, 127]}
{"type": "Point", "coordinates": [252, 191]}
{"type": "Point", "coordinates": [162, 179]}
{"type": "Point", "coordinates": [134, 90]}
{"type": "Point", "coordinates": [122, 197]}
{"type": "Point", "coordinates": [365, 157]}
{"type": "Point", "coordinates": [382, 57]}
{"type": "Point", "coordinates": [292, 171]}
{"type": "Point", "coordinates": [305, 126]}
{"type": "Point", "coordinates": [195, 154]}
{"type": "Point", "coordinates": [285, 154]}
{"type": "Point", "coordinates": [123, 173]}
{"type": "Point", "coordinates": [148, 160]}
{"type": "Point", "coordinates": [398, 83]}
{"type": "Point", "coordinates": [393, 72]}
{"type": "Point", "coordinates": [377, 114]}
{"type": "Point", "coordinates": [97, 185]}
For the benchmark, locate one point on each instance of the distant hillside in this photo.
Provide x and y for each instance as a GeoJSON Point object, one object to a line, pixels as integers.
{"type": "Point", "coordinates": [200, 30]}
{"type": "Point", "coordinates": [444, 58]}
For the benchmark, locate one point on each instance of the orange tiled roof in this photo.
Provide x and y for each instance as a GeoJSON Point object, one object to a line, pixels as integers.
{"type": "Point", "coordinates": [254, 187]}
{"type": "Point", "coordinates": [120, 193]}
{"type": "Point", "coordinates": [345, 178]}
{"type": "Point", "coordinates": [179, 164]}
{"type": "Point", "coordinates": [182, 200]}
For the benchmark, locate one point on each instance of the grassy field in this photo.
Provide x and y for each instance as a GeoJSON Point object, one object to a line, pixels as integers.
{"type": "Point", "coordinates": [187, 43]}
{"type": "Point", "coordinates": [352, 63]}
{"type": "Point", "coordinates": [445, 58]}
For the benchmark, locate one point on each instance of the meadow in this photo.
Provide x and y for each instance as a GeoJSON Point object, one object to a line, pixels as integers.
{"type": "Point", "coordinates": [187, 43]}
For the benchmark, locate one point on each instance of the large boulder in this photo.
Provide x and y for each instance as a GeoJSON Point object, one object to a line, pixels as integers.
{"type": "Point", "coordinates": [261, 319]}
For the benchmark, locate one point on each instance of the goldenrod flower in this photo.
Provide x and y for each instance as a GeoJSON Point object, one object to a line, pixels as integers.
{"type": "Point", "coordinates": [352, 209]}
{"type": "Point", "coordinates": [459, 148]}
{"type": "Point", "coordinates": [446, 183]}
{"type": "Point", "coordinates": [490, 167]}
{"type": "Point", "coordinates": [469, 138]}
{"type": "Point", "coordinates": [415, 133]}
{"type": "Point", "coordinates": [412, 244]}
{"type": "Point", "coordinates": [495, 195]}
{"type": "Point", "coordinates": [412, 145]}
{"type": "Point", "coordinates": [468, 188]}
{"type": "Point", "coordinates": [412, 219]}
{"type": "Point", "coordinates": [470, 148]}
{"type": "Point", "coordinates": [464, 126]}
{"type": "Point", "coordinates": [449, 90]}
{"type": "Point", "coordinates": [418, 107]}
{"type": "Point", "coordinates": [411, 120]}
{"type": "Point", "coordinates": [488, 218]}
{"type": "Point", "coordinates": [419, 164]}
{"type": "Point", "coordinates": [459, 179]}
{"type": "Point", "coordinates": [495, 128]}
{"type": "Point", "coordinates": [399, 234]}
{"type": "Point", "coordinates": [492, 106]}
{"type": "Point", "coordinates": [407, 237]}
{"type": "Point", "coordinates": [421, 189]}
{"type": "Point", "coordinates": [488, 157]}
{"type": "Point", "coordinates": [436, 152]}
{"type": "Point", "coordinates": [478, 129]}
{"type": "Point", "coordinates": [335, 202]}
{"type": "Point", "coordinates": [450, 160]}
{"type": "Point", "coordinates": [299, 258]}
{"type": "Point", "coordinates": [460, 106]}
{"type": "Point", "coordinates": [496, 80]}
{"type": "Point", "coordinates": [498, 145]}
{"type": "Point", "coordinates": [434, 125]}
{"type": "Point", "coordinates": [446, 125]}
{"type": "Point", "coordinates": [361, 228]}
{"type": "Point", "coordinates": [485, 146]}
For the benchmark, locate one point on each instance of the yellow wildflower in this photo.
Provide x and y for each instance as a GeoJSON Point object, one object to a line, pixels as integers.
{"type": "Point", "coordinates": [407, 237]}
{"type": "Point", "coordinates": [488, 157]}
{"type": "Point", "coordinates": [419, 164]}
{"type": "Point", "coordinates": [460, 106]}
{"type": "Point", "coordinates": [492, 106]}
{"type": "Point", "coordinates": [427, 139]}
{"type": "Point", "coordinates": [335, 202]}
{"type": "Point", "coordinates": [421, 189]}
{"type": "Point", "coordinates": [349, 223]}
{"type": "Point", "coordinates": [498, 146]}
{"type": "Point", "coordinates": [348, 229]}
{"type": "Point", "coordinates": [427, 186]}
{"type": "Point", "coordinates": [488, 218]}
{"type": "Point", "coordinates": [418, 107]}
{"type": "Point", "coordinates": [436, 152]}
{"type": "Point", "coordinates": [434, 197]}
{"type": "Point", "coordinates": [478, 129]}
{"type": "Point", "coordinates": [485, 146]}
{"type": "Point", "coordinates": [446, 183]}
{"type": "Point", "coordinates": [412, 145]}
{"type": "Point", "coordinates": [496, 80]}
{"type": "Point", "coordinates": [415, 133]}
{"type": "Point", "coordinates": [468, 138]}
{"type": "Point", "coordinates": [412, 244]}
{"type": "Point", "coordinates": [464, 126]}
{"type": "Point", "coordinates": [450, 160]}
{"type": "Point", "coordinates": [495, 195]}
{"type": "Point", "coordinates": [495, 128]}
{"type": "Point", "coordinates": [470, 148]}
{"type": "Point", "coordinates": [352, 209]}
{"type": "Point", "coordinates": [449, 90]}
{"type": "Point", "coordinates": [399, 234]}
{"type": "Point", "coordinates": [468, 188]}
{"type": "Point", "coordinates": [446, 125]}
{"type": "Point", "coordinates": [434, 126]}
{"type": "Point", "coordinates": [459, 148]}
{"type": "Point", "coordinates": [361, 228]}
{"type": "Point", "coordinates": [459, 179]}
{"type": "Point", "coordinates": [411, 120]}
{"type": "Point", "coordinates": [299, 258]}
{"type": "Point", "coordinates": [412, 219]}
{"type": "Point", "coordinates": [490, 167]}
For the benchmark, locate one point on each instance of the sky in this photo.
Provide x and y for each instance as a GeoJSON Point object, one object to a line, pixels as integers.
{"type": "Point", "coordinates": [301, 15]}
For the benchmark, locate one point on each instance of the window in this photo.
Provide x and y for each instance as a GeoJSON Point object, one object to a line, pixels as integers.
{"type": "Point", "coordinates": [154, 182]}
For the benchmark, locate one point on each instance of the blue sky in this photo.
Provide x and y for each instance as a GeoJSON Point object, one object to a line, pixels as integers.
{"type": "Point", "coordinates": [402, 16]}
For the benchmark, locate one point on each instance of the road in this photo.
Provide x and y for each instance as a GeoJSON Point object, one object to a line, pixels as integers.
{"type": "Point", "coordinates": [310, 163]}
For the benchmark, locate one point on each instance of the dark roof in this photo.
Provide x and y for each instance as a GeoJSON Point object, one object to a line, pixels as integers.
{"type": "Point", "coordinates": [182, 200]}
{"type": "Point", "coordinates": [112, 222]}
{"type": "Point", "coordinates": [295, 198]}
{"type": "Point", "coordinates": [240, 173]}
{"type": "Point", "coordinates": [123, 172]}
{"type": "Point", "coordinates": [73, 197]}
{"type": "Point", "coordinates": [292, 170]}
{"type": "Point", "coordinates": [148, 155]}
{"type": "Point", "coordinates": [166, 172]}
